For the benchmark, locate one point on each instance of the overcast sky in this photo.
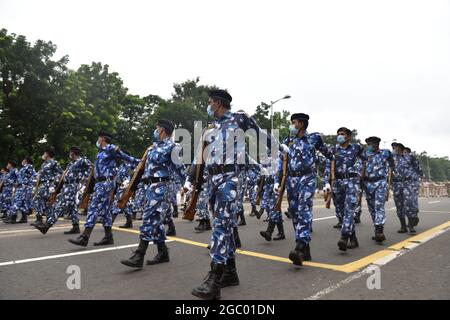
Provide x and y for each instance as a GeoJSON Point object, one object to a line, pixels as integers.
{"type": "Point", "coordinates": [381, 67]}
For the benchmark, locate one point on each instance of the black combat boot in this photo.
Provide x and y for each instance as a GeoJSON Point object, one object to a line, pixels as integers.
{"type": "Point", "coordinates": [175, 211]}
{"type": "Point", "coordinates": [83, 238]}
{"type": "Point", "coordinates": [237, 239]}
{"type": "Point", "coordinates": [137, 259]}
{"type": "Point", "coordinates": [280, 235]}
{"type": "Point", "coordinates": [379, 234]}
{"type": "Point", "coordinates": [298, 255]}
{"type": "Point", "coordinates": [288, 214]}
{"type": "Point", "coordinates": [411, 225]}
{"type": "Point", "coordinates": [207, 224]}
{"type": "Point", "coordinates": [75, 229]}
{"type": "Point", "coordinates": [38, 221]}
{"type": "Point", "coordinates": [254, 211]}
{"type": "Point", "coordinates": [24, 217]}
{"type": "Point", "coordinates": [210, 288]}
{"type": "Point", "coordinates": [242, 218]}
{"type": "Point", "coordinates": [230, 276]}
{"type": "Point", "coordinates": [358, 217]}
{"type": "Point", "coordinates": [11, 219]}
{"type": "Point", "coordinates": [4, 215]}
{"type": "Point", "coordinates": [353, 243]}
{"type": "Point", "coordinates": [133, 216]}
{"type": "Point", "coordinates": [128, 224]}
{"type": "Point", "coordinates": [113, 218]}
{"type": "Point", "coordinates": [43, 228]}
{"type": "Point", "coordinates": [162, 255]}
{"type": "Point", "coordinates": [201, 225]}
{"type": "Point", "coordinates": [402, 225]}
{"type": "Point", "coordinates": [307, 253]}
{"type": "Point", "coordinates": [342, 243]}
{"type": "Point", "coordinates": [339, 224]}
{"type": "Point", "coordinates": [259, 213]}
{"type": "Point", "coordinates": [107, 239]}
{"type": "Point", "coordinates": [268, 233]}
{"type": "Point", "coordinates": [171, 230]}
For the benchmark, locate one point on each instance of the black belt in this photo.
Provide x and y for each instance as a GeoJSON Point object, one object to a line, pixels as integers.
{"type": "Point", "coordinates": [300, 173]}
{"type": "Point", "coordinates": [103, 179]}
{"type": "Point", "coordinates": [374, 179]}
{"type": "Point", "coordinates": [346, 175]}
{"type": "Point", "coordinates": [218, 169]}
{"type": "Point", "coordinates": [150, 180]}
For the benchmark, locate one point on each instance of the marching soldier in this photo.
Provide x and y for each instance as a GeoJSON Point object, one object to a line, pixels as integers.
{"type": "Point", "coordinates": [378, 163]}
{"type": "Point", "coordinates": [7, 191]}
{"type": "Point", "coordinates": [301, 182]}
{"type": "Point", "coordinates": [48, 175]}
{"type": "Point", "coordinates": [105, 171]}
{"type": "Point", "coordinates": [345, 189]}
{"type": "Point", "coordinates": [22, 200]}
{"type": "Point", "coordinates": [202, 205]}
{"type": "Point", "coordinates": [223, 177]}
{"type": "Point", "coordinates": [159, 167]}
{"type": "Point", "coordinates": [252, 186]}
{"type": "Point", "coordinates": [76, 172]}
{"type": "Point", "coordinates": [405, 196]}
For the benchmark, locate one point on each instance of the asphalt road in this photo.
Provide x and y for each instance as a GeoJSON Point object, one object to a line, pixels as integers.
{"type": "Point", "coordinates": [404, 267]}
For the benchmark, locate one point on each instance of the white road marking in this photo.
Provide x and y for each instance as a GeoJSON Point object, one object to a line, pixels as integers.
{"type": "Point", "coordinates": [324, 218]}
{"type": "Point", "coordinates": [377, 264]}
{"type": "Point", "coordinates": [432, 202]}
{"type": "Point", "coordinates": [57, 256]}
{"type": "Point", "coordinates": [32, 229]}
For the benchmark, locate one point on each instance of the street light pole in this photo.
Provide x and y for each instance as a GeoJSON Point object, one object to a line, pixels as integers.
{"type": "Point", "coordinates": [271, 109]}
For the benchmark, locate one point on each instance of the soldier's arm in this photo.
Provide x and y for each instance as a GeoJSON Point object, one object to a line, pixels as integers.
{"type": "Point", "coordinates": [122, 155]}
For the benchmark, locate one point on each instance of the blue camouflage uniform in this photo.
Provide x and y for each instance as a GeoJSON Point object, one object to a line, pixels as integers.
{"type": "Point", "coordinates": [404, 185]}
{"type": "Point", "coordinates": [66, 201]}
{"type": "Point", "coordinates": [139, 199]}
{"type": "Point", "coordinates": [6, 196]}
{"type": "Point", "coordinates": [272, 196]}
{"type": "Point", "coordinates": [105, 171]}
{"type": "Point", "coordinates": [224, 185]}
{"type": "Point", "coordinates": [301, 181]}
{"type": "Point", "coordinates": [159, 164]}
{"type": "Point", "coordinates": [49, 175]}
{"type": "Point", "coordinates": [269, 181]}
{"type": "Point", "coordinates": [203, 198]}
{"type": "Point", "coordinates": [124, 174]}
{"type": "Point", "coordinates": [252, 186]}
{"type": "Point", "coordinates": [375, 183]}
{"type": "Point", "coordinates": [346, 186]}
{"type": "Point", "coordinates": [24, 190]}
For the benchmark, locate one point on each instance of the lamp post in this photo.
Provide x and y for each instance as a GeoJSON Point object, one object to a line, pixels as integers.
{"type": "Point", "coordinates": [271, 109]}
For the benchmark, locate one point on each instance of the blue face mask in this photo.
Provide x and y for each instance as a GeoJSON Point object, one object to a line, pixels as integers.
{"type": "Point", "coordinates": [210, 111]}
{"type": "Point", "coordinates": [341, 139]}
{"type": "Point", "coordinates": [156, 135]}
{"type": "Point", "coordinates": [293, 130]}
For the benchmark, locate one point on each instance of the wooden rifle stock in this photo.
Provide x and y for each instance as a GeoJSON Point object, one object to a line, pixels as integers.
{"type": "Point", "coordinates": [330, 193]}
{"type": "Point", "coordinates": [88, 191]}
{"type": "Point", "coordinates": [52, 199]}
{"type": "Point", "coordinates": [260, 190]}
{"type": "Point", "coordinates": [282, 186]}
{"type": "Point", "coordinates": [132, 187]}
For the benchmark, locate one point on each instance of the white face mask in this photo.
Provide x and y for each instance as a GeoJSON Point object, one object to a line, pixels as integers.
{"type": "Point", "coordinates": [43, 157]}
{"type": "Point", "coordinates": [97, 144]}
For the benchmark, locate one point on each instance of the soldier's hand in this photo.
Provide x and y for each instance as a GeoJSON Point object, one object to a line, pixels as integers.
{"type": "Point", "coordinates": [276, 187]}
{"type": "Point", "coordinates": [327, 188]}
{"type": "Point", "coordinates": [51, 189]}
{"type": "Point", "coordinates": [284, 148]}
{"type": "Point", "coordinates": [187, 186]}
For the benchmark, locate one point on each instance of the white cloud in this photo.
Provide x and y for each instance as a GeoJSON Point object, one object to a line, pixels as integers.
{"type": "Point", "coordinates": [382, 67]}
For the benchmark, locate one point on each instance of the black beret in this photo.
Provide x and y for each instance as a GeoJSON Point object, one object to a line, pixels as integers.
{"type": "Point", "coordinates": [346, 130]}
{"type": "Point", "coordinates": [408, 149]}
{"type": "Point", "coordinates": [220, 94]}
{"type": "Point", "coordinates": [394, 144]}
{"type": "Point", "coordinates": [375, 140]}
{"type": "Point", "coordinates": [13, 163]}
{"type": "Point", "coordinates": [75, 150]}
{"type": "Point", "coordinates": [166, 124]}
{"type": "Point", "coordinates": [50, 151]}
{"type": "Point", "coordinates": [105, 134]}
{"type": "Point", "coordinates": [401, 146]}
{"type": "Point", "coordinates": [300, 116]}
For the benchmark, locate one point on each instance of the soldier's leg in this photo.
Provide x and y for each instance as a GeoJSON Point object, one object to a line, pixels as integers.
{"type": "Point", "coordinates": [370, 191]}
{"type": "Point", "coordinates": [380, 213]}
{"type": "Point", "coordinates": [397, 188]}
{"type": "Point", "coordinates": [351, 187]}
{"type": "Point", "coordinates": [410, 205]}
{"type": "Point", "coordinates": [338, 197]}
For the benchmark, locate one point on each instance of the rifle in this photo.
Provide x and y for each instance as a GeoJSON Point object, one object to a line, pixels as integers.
{"type": "Point", "coordinates": [38, 182]}
{"type": "Point", "coordinates": [189, 212]}
{"type": "Point", "coordinates": [363, 175]}
{"type": "Point", "coordinates": [1, 186]}
{"type": "Point", "coordinates": [282, 184]}
{"type": "Point", "coordinates": [88, 191]}
{"type": "Point", "coordinates": [132, 186]}
{"type": "Point", "coordinates": [329, 194]}
{"type": "Point", "coordinates": [260, 190]}
{"type": "Point", "coordinates": [52, 199]}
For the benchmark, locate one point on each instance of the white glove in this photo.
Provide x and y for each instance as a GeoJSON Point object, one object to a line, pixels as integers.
{"type": "Point", "coordinates": [327, 187]}
{"type": "Point", "coordinates": [276, 186]}
{"type": "Point", "coordinates": [51, 189]}
{"type": "Point", "coordinates": [187, 186]}
{"type": "Point", "coordinates": [285, 149]}
{"type": "Point", "coordinates": [125, 183]}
